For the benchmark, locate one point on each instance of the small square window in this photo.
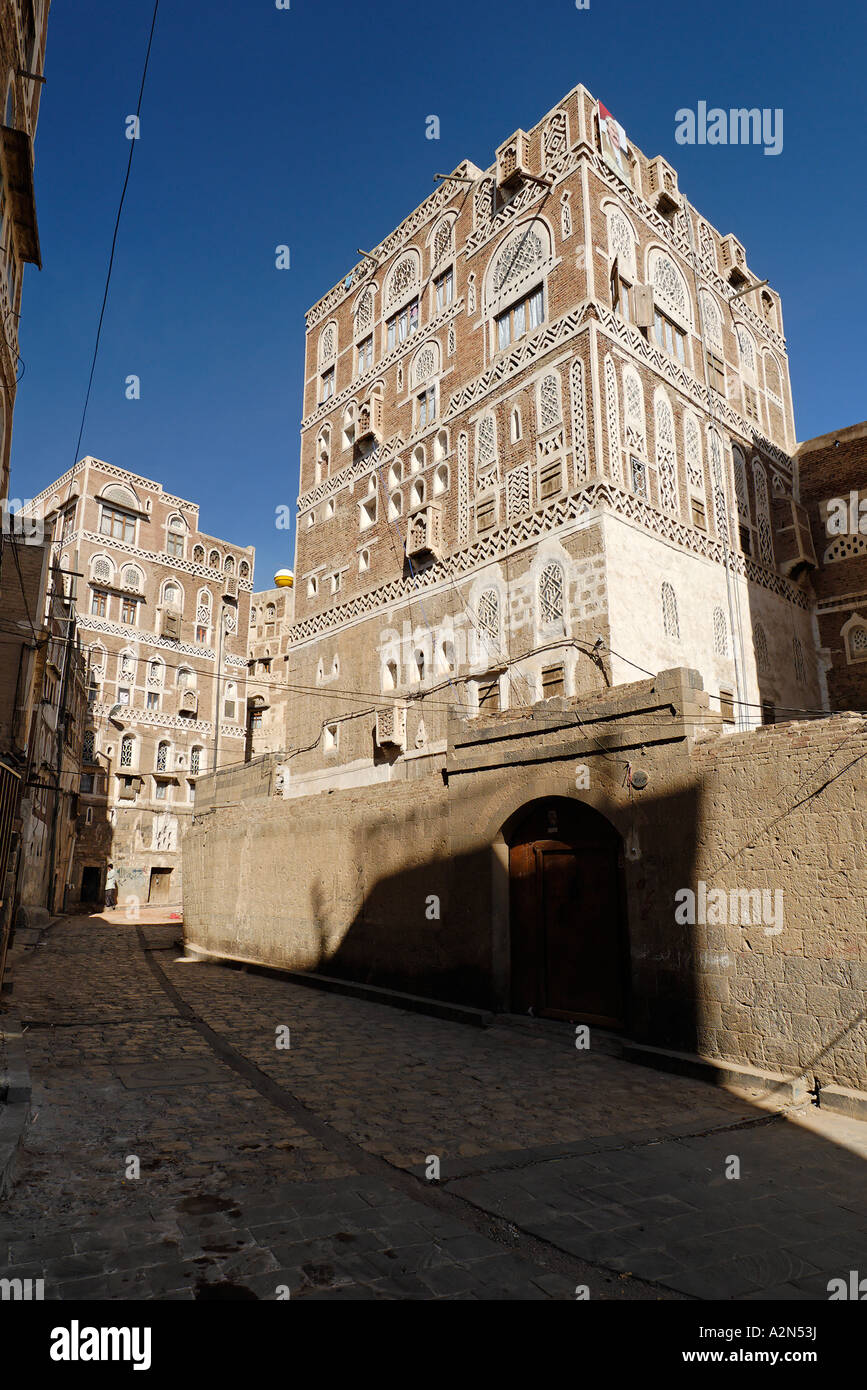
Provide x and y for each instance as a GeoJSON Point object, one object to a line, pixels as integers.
{"type": "Point", "coordinates": [639, 477]}
{"type": "Point", "coordinates": [727, 706]}
{"type": "Point", "coordinates": [553, 682]}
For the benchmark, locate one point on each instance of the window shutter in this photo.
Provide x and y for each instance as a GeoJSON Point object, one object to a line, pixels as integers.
{"type": "Point", "coordinates": [643, 300]}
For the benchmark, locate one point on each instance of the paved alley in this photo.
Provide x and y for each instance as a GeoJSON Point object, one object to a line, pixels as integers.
{"type": "Point", "coordinates": [203, 1132]}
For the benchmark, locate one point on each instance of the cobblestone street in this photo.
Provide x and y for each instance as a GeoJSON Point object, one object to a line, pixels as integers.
{"type": "Point", "coordinates": [267, 1169]}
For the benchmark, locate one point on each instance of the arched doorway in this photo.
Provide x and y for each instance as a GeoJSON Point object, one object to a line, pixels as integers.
{"type": "Point", "coordinates": [567, 930]}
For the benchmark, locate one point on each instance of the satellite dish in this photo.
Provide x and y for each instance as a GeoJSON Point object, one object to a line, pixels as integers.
{"type": "Point", "coordinates": [114, 713]}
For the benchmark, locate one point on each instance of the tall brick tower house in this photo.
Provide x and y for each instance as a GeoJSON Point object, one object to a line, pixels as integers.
{"type": "Point", "coordinates": [163, 612]}
{"type": "Point", "coordinates": [546, 447]}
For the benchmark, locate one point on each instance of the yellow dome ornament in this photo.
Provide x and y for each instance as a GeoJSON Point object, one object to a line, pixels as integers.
{"type": "Point", "coordinates": [284, 579]}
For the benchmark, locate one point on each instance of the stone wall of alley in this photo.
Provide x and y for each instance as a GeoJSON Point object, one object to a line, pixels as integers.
{"type": "Point", "coordinates": [406, 885]}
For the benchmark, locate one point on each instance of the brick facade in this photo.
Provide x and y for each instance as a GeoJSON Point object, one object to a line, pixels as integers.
{"type": "Point", "coordinates": [833, 468]}
{"type": "Point", "coordinates": [152, 594]}
{"type": "Point", "coordinates": [509, 489]}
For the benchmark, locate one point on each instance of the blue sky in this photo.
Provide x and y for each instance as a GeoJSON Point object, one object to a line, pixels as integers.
{"type": "Point", "coordinates": [307, 127]}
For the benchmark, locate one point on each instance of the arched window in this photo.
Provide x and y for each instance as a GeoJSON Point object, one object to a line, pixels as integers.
{"type": "Point", "coordinates": [621, 243]}
{"type": "Point", "coordinates": [126, 666]}
{"type": "Point", "coordinates": [633, 412]}
{"type": "Point", "coordinates": [486, 442]}
{"type": "Point", "coordinates": [419, 663]}
{"type": "Point", "coordinates": [172, 594]}
{"type": "Point", "coordinates": [612, 412]}
{"type": "Point", "coordinates": [418, 459]}
{"type": "Point", "coordinates": [670, 622]}
{"type": "Point", "coordinates": [760, 647]}
{"type": "Point", "coordinates": [402, 285]}
{"type": "Point", "coordinates": [720, 506]}
{"type": "Point", "coordinates": [323, 453]}
{"type": "Point", "coordinates": [176, 534]}
{"type": "Point", "coordinates": [197, 760]}
{"type": "Point", "coordinates": [127, 751]}
{"type": "Point", "coordinates": [551, 594]}
{"type": "Point", "coordinates": [395, 506]}
{"type": "Point", "coordinates": [214, 560]}
{"type": "Point", "coordinates": [186, 678]}
{"type": "Point", "coordinates": [156, 673]}
{"type": "Point", "coordinates": [720, 633]}
{"type": "Point", "coordinates": [417, 493]}
{"type": "Point", "coordinates": [746, 352]}
{"type": "Point", "coordinates": [693, 456]}
{"type": "Point", "coordinates": [426, 363]}
{"type": "Point", "coordinates": [395, 474]}
{"type": "Point", "coordinates": [229, 565]}
{"type": "Point", "coordinates": [763, 515]}
{"type": "Point", "coordinates": [441, 445]}
{"type": "Point", "coordinates": [243, 570]}
{"type": "Point", "coordinates": [669, 287]}
{"type": "Point", "coordinates": [364, 312]}
{"type": "Point", "coordinates": [711, 320]}
{"type": "Point", "coordinates": [442, 244]}
{"type": "Point", "coordinates": [666, 457]}
{"type": "Point", "coordinates": [515, 283]}
{"type": "Point", "coordinates": [855, 633]}
{"type": "Point", "coordinates": [768, 309]}
{"type": "Point", "coordinates": [131, 578]}
{"type": "Point", "coordinates": [440, 480]}
{"type": "Point", "coordinates": [520, 258]}
{"type": "Point", "coordinates": [198, 554]}
{"type": "Point", "coordinates": [162, 762]}
{"type": "Point", "coordinates": [403, 279]}
{"type": "Point", "coordinates": [389, 675]}
{"type": "Point", "coordinates": [549, 409]}
{"type": "Point", "coordinates": [203, 615]}
{"type": "Point", "coordinates": [799, 663]}
{"type": "Point", "coordinates": [448, 658]}
{"type": "Point", "coordinates": [327, 344]}
{"type": "Point", "coordinates": [742, 500]}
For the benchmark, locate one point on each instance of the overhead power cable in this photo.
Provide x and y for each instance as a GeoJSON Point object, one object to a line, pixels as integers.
{"type": "Point", "coordinates": [132, 145]}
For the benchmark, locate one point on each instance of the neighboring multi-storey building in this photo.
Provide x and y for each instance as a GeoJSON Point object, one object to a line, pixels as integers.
{"type": "Point", "coordinates": [832, 471]}
{"type": "Point", "coordinates": [50, 795]}
{"type": "Point", "coordinates": [546, 447]}
{"type": "Point", "coordinates": [163, 610]}
{"type": "Point", "coordinates": [23, 581]}
{"type": "Point", "coordinates": [23, 26]}
{"type": "Point", "coordinates": [270, 621]}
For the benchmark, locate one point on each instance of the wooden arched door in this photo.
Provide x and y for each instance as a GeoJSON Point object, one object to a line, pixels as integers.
{"type": "Point", "coordinates": [568, 943]}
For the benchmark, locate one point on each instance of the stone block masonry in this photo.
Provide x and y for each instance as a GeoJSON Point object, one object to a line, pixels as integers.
{"type": "Point", "coordinates": [407, 884]}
